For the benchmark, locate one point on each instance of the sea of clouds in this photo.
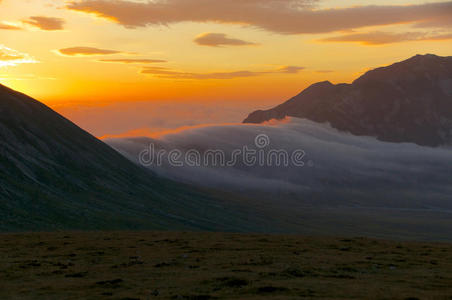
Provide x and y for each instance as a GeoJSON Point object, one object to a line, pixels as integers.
{"type": "Point", "coordinates": [331, 167]}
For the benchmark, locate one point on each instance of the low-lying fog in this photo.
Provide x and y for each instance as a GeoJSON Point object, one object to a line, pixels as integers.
{"type": "Point", "coordinates": [300, 160]}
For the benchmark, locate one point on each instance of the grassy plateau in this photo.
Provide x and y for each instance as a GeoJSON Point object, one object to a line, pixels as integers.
{"type": "Point", "coordinates": [188, 265]}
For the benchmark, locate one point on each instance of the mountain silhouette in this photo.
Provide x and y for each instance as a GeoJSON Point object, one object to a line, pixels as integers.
{"type": "Point", "coordinates": [54, 175]}
{"type": "Point", "coordinates": [409, 101]}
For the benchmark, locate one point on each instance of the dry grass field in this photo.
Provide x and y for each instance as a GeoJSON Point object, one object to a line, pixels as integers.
{"type": "Point", "coordinates": [182, 265]}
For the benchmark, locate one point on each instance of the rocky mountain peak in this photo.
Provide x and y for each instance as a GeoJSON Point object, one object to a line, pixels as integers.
{"type": "Point", "coordinates": [408, 101]}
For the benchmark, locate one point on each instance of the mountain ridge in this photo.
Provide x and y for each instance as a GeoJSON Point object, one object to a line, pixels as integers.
{"type": "Point", "coordinates": [408, 101]}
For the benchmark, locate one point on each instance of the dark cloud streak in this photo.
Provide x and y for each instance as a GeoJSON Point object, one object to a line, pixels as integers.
{"type": "Point", "coordinates": [75, 51]}
{"type": "Point", "coordinates": [380, 38]}
{"type": "Point", "coordinates": [220, 39]}
{"type": "Point", "coordinates": [132, 61]}
{"type": "Point", "coordinates": [282, 16]}
{"type": "Point", "coordinates": [46, 23]}
{"type": "Point", "coordinates": [174, 74]}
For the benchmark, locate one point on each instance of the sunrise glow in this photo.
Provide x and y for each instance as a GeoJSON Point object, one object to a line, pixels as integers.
{"type": "Point", "coordinates": [80, 55]}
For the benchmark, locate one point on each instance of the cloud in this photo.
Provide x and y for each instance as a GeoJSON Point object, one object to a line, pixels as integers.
{"type": "Point", "coordinates": [290, 69]}
{"type": "Point", "coordinates": [170, 74]}
{"type": "Point", "coordinates": [282, 16]}
{"type": "Point", "coordinates": [219, 39]}
{"type": "Point", "coordinates": [444, 22]}
{"type": "Point", "coordinates": [4, 56]}
{"type": "Point", "coordinates": [84, 51]}
{"type": "Point", "coordinates": [337, 166]}
{"type": "Point", "coordinates": [46, 23]}
{"type": "Point", "coordinates": [380, 38]}
{"type": "Point", "coordinates": [11, 57]}
{"type": "Point", "coordinates": [132, 61]}
{"type": "Point", "coordinates": [173, 74]}
{"type": "Point", "coordinates": [5, 26]}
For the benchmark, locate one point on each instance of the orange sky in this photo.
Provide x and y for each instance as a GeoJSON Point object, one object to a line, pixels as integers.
{"type": "Point", "coordinates": [115, 66]}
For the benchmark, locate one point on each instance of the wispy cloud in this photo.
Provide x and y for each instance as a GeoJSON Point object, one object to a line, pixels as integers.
{"type": "Point", "coordinates": [381, 38]}
{"type": "Point", "coordinates": [6, 26]}
{"type": "Point", "coordinates": [219, 39]}
{"type": "Point", "coordinates": [86, 51]}
{"type": "Point", "coordinates": [282, 16]}
{"type": "Point", "coordinates": [46, 23]}
{"type": "Point", "coordinates": [290, 69]}
{"type": "Point", "coordinates": [444, 22]}
{"type": "Point", "coordinates": [132, 61]}
{"type": "Point", "coordinates": [168, 73]}
{"type": "Point", "coordinates": [174, 74]}
{"type": "Point", "coordinates": [11, 57]}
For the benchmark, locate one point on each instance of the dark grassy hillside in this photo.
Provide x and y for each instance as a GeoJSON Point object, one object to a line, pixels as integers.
{"type": "Point", "coordinates": [54, 175]}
